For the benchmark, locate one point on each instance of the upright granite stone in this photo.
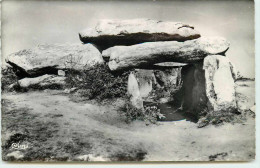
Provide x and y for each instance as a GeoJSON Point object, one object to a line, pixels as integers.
{"type": "Point", "coordinates": [220, 82]}
{"type": "Point", "coordinates": [48, 59]}
{"type": "Point", "coordinates": [208, 85]}
{"type": "Point", "coordinates": [146, 80]}
{"type": "Point", "coordinates": [134, 92]}
{"type": "Point", "coordinates": [170, 78]}
{"type": "Point", "coordinates": [109, 33]}
{"type": "Point", "coordinates": [147, 54]}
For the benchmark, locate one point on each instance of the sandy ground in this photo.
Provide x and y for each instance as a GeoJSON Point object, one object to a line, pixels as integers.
{"type": "Point", "coordinates": [58, 128]}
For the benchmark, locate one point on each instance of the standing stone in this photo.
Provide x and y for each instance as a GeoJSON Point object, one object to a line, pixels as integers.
{"type": "Point", "coordinates": [220, 82]}
{"type": "Point", "coordinates": [146, 80]}
{"type": "Point", "coordinates": [134, 91]}
{"type": "Point", "coordinates": [169, 78]}
{"type": "Point", "coordinates": [109, 33]}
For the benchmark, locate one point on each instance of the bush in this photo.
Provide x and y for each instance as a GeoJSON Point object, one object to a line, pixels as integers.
{"type": "Point", "coordinates": [8, 78]}
{"type": "Point", "coordinates": [218, 117]}
{"type": "Point", "coordinates": [149, 114]}
{"type": "Point", "coordinates": [36, 87]}
{"type": "Point", "coordinates": [98, 82]}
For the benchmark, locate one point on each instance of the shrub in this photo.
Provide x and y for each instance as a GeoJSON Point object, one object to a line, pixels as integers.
{"type": "Point", "coordinates": [218, 117]}
{"type": "Point", "coordinates": [8, 78]}
{"type": "Point", "coordinates": [97, 82]}
{"type": "Point", "coordinates": [36, 87]}
{"type": "Point", "coordinates": [149, 114]}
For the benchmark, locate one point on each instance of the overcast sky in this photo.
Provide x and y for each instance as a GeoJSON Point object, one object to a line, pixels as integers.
{"type": "Point", "coordinates": [26, 24]}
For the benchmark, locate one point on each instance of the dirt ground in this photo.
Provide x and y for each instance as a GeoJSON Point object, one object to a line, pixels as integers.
{"type": "Point", "coordinates": [49, 126]}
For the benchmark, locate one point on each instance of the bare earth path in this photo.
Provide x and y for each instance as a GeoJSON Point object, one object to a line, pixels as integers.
{"type": "Point", "coordinates": [60, 129]}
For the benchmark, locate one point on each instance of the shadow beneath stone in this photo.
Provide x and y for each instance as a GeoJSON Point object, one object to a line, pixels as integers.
{"type": "Point", "coordinates": [173, 113]}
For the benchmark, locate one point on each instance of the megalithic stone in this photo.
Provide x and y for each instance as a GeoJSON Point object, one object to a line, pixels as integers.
{"type": "Point", "coordinates": [220, 76]}
{"type": "Point", "coordinates": [109, 33]}
{"type": "Point", "coordinates": [134, 91]}
{"type": "Point", "coordinates": [147, 54]}
{"type": "Point", "coordinates": [48, 59]}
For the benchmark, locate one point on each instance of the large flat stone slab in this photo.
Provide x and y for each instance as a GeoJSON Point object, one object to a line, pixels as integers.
{"type": "Point", "coordinates": [108, 33]}
{"type": "Point", "coordinates": [148, 54]}
{"type": "Point", "coordinates": [47, 59]}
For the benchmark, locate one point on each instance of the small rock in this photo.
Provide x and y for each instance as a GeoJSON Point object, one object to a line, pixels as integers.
{"type": "Point", "coordinates": [15, 154]}
{"type": "Point", "coordinates": [253, 108]}
{"type": "Point", "coordinates": [164, 100]}
{"type": "Point", "coordinates": [91, 157]}
{"type": "Point", "coordinates": [69, 90]}
{"type": "Point", "coordinates": [61, 73]}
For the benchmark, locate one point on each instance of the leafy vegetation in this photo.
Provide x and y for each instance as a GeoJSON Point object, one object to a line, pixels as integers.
{"type": "Point", "coordinates": [149, 114]}
{"type": "Point", "coordinates": [97, 82]}
{"type": "Point", "coordinates": [218, 117]}
{"type": "Point", "coordinates": [8, 78]}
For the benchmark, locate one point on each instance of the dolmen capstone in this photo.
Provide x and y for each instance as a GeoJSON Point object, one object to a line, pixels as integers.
{"type": "Point", "coordinates": [109, 33]}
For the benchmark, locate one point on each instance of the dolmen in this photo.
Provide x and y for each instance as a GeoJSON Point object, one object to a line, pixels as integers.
{"type": "Point", "coordinates": [207, 75]}
{"type": "Point", "coordinates": [169, 55]}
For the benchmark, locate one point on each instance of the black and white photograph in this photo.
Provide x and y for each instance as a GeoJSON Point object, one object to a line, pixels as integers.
{"type": "Point", "coordinates": [128, 81]}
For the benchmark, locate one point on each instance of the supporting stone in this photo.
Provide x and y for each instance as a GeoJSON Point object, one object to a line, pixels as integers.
{"type": "Point", "coordinates": [220, 82]}
{"type": "Point", "coordinates": [208, 85]}
{"type": "Point", "coordinates": [146, 80]}
{"type": "Point", "coordinates": [140, 85]}
{"type": "Point", "coordinates": [134, 91]}
{"type": "Point", "coordinates": [170, 78]}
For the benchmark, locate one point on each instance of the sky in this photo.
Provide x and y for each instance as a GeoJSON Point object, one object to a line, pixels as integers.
{"type": "Point", "coordinates": [26, 24]}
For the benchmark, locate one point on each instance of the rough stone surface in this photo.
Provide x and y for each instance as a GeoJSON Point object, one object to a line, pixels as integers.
{"type": "Point", "coordinates": [220, 82]}
{"type": "Point", "coordinates": [170, 78]}
{"type": "Point", "coordinates": [61, 73]}
{"type": "Point", "coordinates": [170, 64]}
{"type": "Point", "coordinates": [253, 108]}
{"type": "Point", "coordinates": [134, 91]}
{"type": "Point", "coordinates": [47, 59]}
{"type": "Point", "coordinates": [108, 33]}
{"type": "Point", "coordinates": [146, 80]}
{"type": "Point", "coordinates": [147, 54]}
{"type": "Point", "coordinates": [16, 155]}
{"type": "Point", "coordinates": [43, 81]}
